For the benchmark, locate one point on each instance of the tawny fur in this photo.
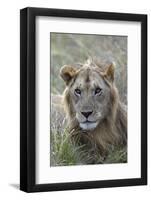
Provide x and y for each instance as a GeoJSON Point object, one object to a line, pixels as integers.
{"type": "Point", "coordinates": [112, 130]}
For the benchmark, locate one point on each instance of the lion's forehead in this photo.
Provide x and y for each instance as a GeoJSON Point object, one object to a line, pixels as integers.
{"type": "Point", "coordinates": [88, 78]}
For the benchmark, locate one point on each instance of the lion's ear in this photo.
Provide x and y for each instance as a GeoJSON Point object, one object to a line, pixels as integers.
{"type": "Point", "coordinates": [67, 72]}
{"type": "Point", "coordinates": [109, 72]}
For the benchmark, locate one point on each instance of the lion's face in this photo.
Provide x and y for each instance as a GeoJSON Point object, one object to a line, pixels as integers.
{"type": "Point", "coordinates": [89, 91]}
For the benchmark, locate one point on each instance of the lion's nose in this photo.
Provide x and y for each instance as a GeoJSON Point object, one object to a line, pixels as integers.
{"type": "Point", "coordinates": [86, 114]}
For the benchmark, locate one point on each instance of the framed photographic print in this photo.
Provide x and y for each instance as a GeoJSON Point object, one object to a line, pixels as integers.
{"type": "Point", "coordinates": [83, 99]}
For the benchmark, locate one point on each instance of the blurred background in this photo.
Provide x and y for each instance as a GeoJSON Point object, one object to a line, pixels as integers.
{"type": "Point", "coordinates": [76, 48]}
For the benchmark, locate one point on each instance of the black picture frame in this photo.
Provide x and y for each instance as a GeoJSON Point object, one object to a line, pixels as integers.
{"type": "Point", "coordinates": [28, 98]}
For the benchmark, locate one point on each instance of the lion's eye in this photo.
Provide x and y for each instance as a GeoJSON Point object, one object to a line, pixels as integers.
{"type": "Point", "coordinates": [98, 91]}
{"type": "Point", "coordinates": [77, 92]}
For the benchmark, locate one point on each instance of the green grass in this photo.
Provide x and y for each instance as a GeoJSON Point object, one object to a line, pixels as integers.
{"type": "Point", "coordinates": [65, 151]}
{"type": "Point", "coordinates": [117, 155]}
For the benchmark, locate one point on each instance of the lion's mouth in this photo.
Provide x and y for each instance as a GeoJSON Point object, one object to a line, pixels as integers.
{"type": "Point", "coordinates": [87, 121]}
{"type": "Point", "coordinates": [88, 125]}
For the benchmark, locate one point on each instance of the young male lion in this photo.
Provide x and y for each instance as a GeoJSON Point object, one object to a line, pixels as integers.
{"type": "Point", "coordinates": [92, 105]}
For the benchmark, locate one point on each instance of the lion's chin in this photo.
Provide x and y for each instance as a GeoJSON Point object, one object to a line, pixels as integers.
{"type": "Point", "coordinates": [88, 125]}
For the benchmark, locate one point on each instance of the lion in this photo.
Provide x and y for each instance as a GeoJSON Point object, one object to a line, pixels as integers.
{"type": "Point", "coordinates": [91, 102]}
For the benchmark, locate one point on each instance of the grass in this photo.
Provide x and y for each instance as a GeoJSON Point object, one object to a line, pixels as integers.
{"type": "Point", "coordinates": [65, 151]}
{"type": "Point", "coordinates": [117, 155]}
{"type": "Point", "coordinates": [75, 48]}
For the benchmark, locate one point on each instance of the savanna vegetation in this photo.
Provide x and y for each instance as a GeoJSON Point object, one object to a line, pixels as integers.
{"type": "Point", "coordinates": [76, 48]}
